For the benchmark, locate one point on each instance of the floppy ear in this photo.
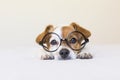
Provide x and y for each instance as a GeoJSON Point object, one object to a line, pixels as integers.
{"type": "Point", "coordinates": [86, 32]}
{"type": "Point", "coordinates": [48, 29]}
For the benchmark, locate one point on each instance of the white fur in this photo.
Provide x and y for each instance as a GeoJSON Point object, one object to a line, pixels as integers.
{"type": "Point", "coordinates": [58, 30]}
{"type": "Point", "coordinates": [86, 50]}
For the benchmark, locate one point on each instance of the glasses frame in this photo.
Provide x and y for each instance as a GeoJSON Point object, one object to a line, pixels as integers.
{"type": "Point", "coordinates": [66, 40]}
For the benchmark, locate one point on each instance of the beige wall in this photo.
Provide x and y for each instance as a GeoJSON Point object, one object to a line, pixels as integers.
{"type": "Point", "coordinates": [22, 20]}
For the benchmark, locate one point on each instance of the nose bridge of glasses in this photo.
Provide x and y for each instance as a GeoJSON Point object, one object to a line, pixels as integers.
{"type": "Point", "coordinates": [64, 41]}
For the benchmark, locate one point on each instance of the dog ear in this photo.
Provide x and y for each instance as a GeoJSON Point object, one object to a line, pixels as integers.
{"type": "Point", "coordinates": [86, 32]}
{"type": "Point", "coordinates": [48, 29]}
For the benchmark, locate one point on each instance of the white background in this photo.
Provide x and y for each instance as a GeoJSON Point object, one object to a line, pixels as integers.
{"type": "Point", "coordinates": [22, 20]}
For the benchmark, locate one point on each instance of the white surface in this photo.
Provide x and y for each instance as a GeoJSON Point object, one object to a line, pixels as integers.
{"type": "Point", "coordinates": [22, 63]}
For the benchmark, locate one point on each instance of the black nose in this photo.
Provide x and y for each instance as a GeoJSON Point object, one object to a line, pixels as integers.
{"type": "Point", "coordinates": [64, 53]}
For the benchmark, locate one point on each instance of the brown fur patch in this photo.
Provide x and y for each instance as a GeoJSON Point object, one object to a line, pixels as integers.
{"type": "Point", "coordinates": [77, 27]}
{"type": "Point", "coordinates": [66, 30]}
{"type": "Point", "coordinates": [48, 29]}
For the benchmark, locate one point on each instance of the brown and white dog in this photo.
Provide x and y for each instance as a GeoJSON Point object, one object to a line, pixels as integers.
{"type": "Point", "coordinates": [63, 43]}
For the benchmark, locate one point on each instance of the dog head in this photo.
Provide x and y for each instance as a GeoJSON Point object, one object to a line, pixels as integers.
{"type": "Point", "coordinates": [63, 42]}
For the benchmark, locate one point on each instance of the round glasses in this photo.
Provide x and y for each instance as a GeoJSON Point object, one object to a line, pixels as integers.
{"type": "Point", "coordinates": [75, 40]}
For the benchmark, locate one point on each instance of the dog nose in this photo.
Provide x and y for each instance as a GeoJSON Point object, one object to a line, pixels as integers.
{"type": "Point", "coordinates": [64, 53]}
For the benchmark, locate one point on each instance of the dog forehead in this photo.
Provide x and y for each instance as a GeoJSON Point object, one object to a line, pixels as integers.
{"type": "Point", "coordinates": [63, 31]}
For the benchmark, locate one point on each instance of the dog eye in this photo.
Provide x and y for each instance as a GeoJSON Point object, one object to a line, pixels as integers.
{"type": "Point", "coordinates": [73, 41]}
{"type": "Point", "coordinates": [53, 42]}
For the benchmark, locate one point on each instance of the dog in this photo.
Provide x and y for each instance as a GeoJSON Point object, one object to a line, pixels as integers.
{"type": "Point", "coordinates": [64, 43]}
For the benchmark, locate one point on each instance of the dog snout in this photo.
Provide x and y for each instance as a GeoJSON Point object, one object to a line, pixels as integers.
{"type": "Point", "coordinates": [64, 53]}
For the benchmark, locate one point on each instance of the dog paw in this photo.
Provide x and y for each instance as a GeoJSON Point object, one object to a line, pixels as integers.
{"type": "Point", "coordinates": [84, 56]}
{"type": "Point", "coordinates": [46, 57]}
